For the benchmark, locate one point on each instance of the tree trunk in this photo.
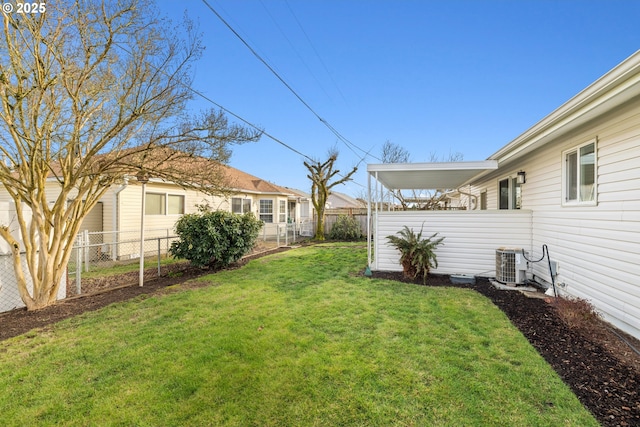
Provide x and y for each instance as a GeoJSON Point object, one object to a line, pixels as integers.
{"type": "Point", "coordinates": [320, 228]}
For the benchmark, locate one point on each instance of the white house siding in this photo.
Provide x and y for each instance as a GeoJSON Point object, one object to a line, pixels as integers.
{"type": "Point", "coordinates": [597, 247]}
{"type": "Point", "coordinates": [471, 237]}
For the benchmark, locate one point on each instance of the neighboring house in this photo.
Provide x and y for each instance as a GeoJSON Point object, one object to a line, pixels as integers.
{"type": "Point", "coordinates": [117, 217]}
{"type": "Point", "coordinates": [165, 202]}
{"type": "Point", "coordinates": [343, 201]}
{"type": "Point", "coordinates": [570, 182]}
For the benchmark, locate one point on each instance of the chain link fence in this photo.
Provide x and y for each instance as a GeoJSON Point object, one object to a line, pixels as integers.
{"type": "Point", "coordinates": [9, 295]}
{"type": "Point", "coordinates": [103, 260]}
{"type": "Point", "coordinates": [97, 257]}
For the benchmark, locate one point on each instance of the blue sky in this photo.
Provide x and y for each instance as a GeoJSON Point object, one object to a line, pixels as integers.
{"type": "Point", "coordinates": [435, 77]}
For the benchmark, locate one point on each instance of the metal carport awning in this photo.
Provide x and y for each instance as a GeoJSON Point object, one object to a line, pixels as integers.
{"type": "Point", "coordinates": [428, 176]}
{"type": "Point", "coordinates": [420, 176]}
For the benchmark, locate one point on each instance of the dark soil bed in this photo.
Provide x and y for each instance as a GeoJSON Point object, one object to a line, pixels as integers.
{"type": "Point", "coordinates": [600, 368]}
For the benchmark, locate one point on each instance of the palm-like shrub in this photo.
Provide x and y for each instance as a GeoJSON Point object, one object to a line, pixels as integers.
{"type": "Point", "coordinates": [417, 255]}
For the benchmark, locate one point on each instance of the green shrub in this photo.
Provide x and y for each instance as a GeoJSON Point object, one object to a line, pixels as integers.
{"type": "Point", "coordinates": [417, 255]}
{"type": "Point", "coordinates": [215, 239]}
{"type": "Point", "coordinates": [346, 228]}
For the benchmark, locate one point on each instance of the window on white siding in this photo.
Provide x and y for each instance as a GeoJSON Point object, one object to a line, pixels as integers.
{"type": "Point", "coordinates": [240, 205]}
{"type": "Point", "coordinates": [282, 212]}
{"type": "Point", "coordinates": [579, 175]}
{"type": "Point", "coordinates": [176, 204]}
{"type": "Point", "coordinates": [304, 210]}
{"type": "Point", "coordinates": [509, 194]}
{"type": "Point", "coordinates": [266, 210]}
{"type": "Point", "coordinates": [163, 204]}
{"type": "Point", "coordinates": [154, 204]}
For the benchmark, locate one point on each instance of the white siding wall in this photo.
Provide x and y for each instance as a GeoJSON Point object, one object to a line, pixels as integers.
{"type": "Point", "coordinates": [597, 247]}
{"type": "Point", "coordinates": [471, 237]}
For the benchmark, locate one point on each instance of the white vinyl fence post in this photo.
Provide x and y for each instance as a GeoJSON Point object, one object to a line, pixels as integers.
{"type": "Point", "coordinates": [159, 239]}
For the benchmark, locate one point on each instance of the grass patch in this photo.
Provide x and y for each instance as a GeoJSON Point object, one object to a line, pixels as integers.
{"type": "Point", "coordinates": [115, 268]}
{"type": "Point", "coordinates": [295, 338]}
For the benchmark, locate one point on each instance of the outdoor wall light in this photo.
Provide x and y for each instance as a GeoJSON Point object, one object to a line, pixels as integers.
{"type": "Point", "coordinates": [521, 177]}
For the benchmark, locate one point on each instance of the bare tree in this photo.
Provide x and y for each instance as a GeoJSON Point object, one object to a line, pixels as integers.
{"type": "Point", "coordinates": [92, 91]}
{"type": "Point", "coordinates": [426, 199]}
{"type": "Point", "coordinates": [394, 153]}
{"type": "Point", "coordinates": [320, 174]}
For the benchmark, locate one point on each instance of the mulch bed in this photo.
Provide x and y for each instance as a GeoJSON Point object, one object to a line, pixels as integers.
{"type": "Point", "coordinates": [599, 367]}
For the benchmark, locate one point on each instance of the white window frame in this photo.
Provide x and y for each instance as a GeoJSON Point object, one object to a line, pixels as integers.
{"type": "Point", "coordinates": [245, 205]}
{"type": "Point", "coordinates": [264, 214]}
{"type": "Point", "coordinates": [181, 209]}
{"type": "Point", "coordinates": [282, 211]}
{"type": "Point", "coordinates": [579, 200]}
{"type": "Point", "coordinates": [514, 189]}
{"type": "Point", "coordinates": [148, 206]}
{"type": "Point", "coordinates": [483, 200]}
{"type": "Point", "coordinates": [164, 203]}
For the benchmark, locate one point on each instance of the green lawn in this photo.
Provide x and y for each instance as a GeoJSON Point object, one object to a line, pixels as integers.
{"type": "Point", "coordinates": [292, 339]}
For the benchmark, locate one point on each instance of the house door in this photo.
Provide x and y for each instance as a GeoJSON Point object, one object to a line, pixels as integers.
{"type": "Point", "coordinates": [291, 209]}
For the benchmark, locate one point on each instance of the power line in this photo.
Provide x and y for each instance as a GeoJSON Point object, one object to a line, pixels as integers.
{"type": "Point", "coordinates": [316, 52]}
{"type": "Point", "coordinates": [249, 123]}
{"type": "Point", "coordinates": [348, 143]}
{"type": "Point", "coordinates": [273, 19]}
{"type": "Point", "coordinates": [226, 110]}
{"type": "Point", "coordinates": [203, 96]}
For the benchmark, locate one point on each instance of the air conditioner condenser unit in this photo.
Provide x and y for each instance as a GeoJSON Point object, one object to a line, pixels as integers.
{"type": "Point", "coordinates": [511, 266]}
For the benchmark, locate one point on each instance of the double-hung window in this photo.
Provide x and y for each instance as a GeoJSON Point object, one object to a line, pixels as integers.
{"type": "Point", "coordinates": [579, 175]}
{"type": "Point", "coordinates": [163, 204]}
{"type": "Point", "coordinates": [266, 210]}
{"type": "Point", "coordinates": [282, 211]}
{"type": "Point", "coordinates": [154, 204]}
{"type": "Point", "coordinates": [240, 205]}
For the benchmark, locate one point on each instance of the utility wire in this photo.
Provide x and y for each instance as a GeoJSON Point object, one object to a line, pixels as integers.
{"type": "Point", "coordinates": [249, 123]}
{"type": "Point", "coordinates": [203, 96]}
{"type": "Point", "coordinates": [275, 22]}
{"type": "Point", "coordinates": [275, 73]}
{"type": "Point", "coordinates": [316, 52]}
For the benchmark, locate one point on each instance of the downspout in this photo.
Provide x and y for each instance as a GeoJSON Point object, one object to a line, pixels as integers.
{"type": "Point", "coordinates": [114, 216]}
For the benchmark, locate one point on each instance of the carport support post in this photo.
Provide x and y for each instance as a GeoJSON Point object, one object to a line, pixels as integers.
{"type": "Point", "coordinates": [369, 220]}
